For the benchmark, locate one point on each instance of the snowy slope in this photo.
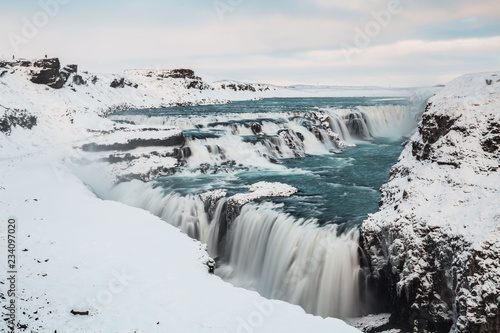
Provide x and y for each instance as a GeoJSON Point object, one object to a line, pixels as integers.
{"type": "Point", "coordinates": [434, 245]}
{"type": "Point", "coordinates": [129, 269]}
{"type": "Point", "coordinates": [88, 265]}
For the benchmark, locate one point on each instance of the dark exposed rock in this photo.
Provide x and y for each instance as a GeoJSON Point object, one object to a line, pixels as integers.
{"type": "Point", "coordinates": [318, 123]}
{"type": "Point", "coordinates": [121, 83]}
{"type": "Point", "coordinates": [432, 128]}
{"type": "Point", "coordinates": [182, 74]}
{"type": "Point", "coordinates": [52, 63]}
{"type": "Point", "coordinates": [239, 87]}
{"type": "Point", "coordinates": [153, 173]}
{"type": "Point", "coordinates": [79, 313]}
{"type": "Point", "coordinates": [47, 71]}
{"type": "Point", "coordinates": [118, 83]}
{"type": "Point", "coordinates": [3, 72]}
{"type": "Point", "coordinates": [24, 63]}
{"type": "Point", "coordinates": [196, 84]}
{"type": "Point", "coordinates": [72, 69]}
{"type": "Point", "coordinates": [178, 153]}
{"type": "Point", "coordinates": [78, 80]}
{"type": "Point", "coordinates": [15, 117]}
{"type": "Point", "coordinates": [175, 140]}
{"type": "Point", "coordinates": [211, 266]}
{"type": "Point", "coordinates": [256, 128]}
{"type": "Point", "coordinates": [491, 137]}
{"type": "Point", "coordinates": [412, 305]}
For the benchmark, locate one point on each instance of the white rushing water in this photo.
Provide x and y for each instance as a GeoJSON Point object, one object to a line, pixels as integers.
{"type": "Point", "coordinates": [184, 212]}
{"type": "Point", "coordinates": [294, 260]}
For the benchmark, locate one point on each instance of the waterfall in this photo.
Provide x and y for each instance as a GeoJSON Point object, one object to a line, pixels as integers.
{"type": "Point", "coordinates": [295, 261]}
{"type": "Point", "coordinates": [266, 250]}
{"type": "Point", "coordinates": [268, 137]}
{"type": "Point", "coordinates": [388, 120]}
{"type": "Point", "coordinates": [263, 248]}
{"type": "Point", "coordinates": [339, 126]}
{"type": "Point", "coordinates": [188, 213]}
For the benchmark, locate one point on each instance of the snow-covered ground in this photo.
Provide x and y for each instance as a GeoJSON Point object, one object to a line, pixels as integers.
{"type": "Point", "coordinates": [90, 265]}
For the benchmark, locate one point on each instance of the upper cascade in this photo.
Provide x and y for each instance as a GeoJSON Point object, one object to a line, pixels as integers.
{"type": "Point", "coordinates": [217, 142]}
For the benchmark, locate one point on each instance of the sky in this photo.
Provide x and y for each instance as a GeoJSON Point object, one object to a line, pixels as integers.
{"type": "Point", "coordinates": [394, 43]}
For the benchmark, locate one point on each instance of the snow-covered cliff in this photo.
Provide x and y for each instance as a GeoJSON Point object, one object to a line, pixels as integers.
{"type": "Point", "coordinates": [433, 247]}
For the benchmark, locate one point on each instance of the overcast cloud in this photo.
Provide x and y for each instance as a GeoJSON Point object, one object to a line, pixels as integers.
{"type": "Point", "coordinates": [355, 42]}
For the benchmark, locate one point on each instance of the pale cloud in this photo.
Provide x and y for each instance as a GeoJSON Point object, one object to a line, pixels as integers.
{"type": "Point", "coordinates": [393, 53]}
{"type": "Point", "coordinates": [276, 41]}
{"type": "Point", "coordinates": [417, 14]}
{"type": "Point", "coordinates": [358, 5]}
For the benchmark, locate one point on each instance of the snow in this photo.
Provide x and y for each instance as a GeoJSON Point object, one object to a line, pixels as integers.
{"type": "Point", "coordinates": [264, 189]}
{"type": "Point", "coordinates": [130, 270]}
{"type": "Point", "coordinates": [213, 195]}
{"type": "Point", "coordinates": [373, 323]}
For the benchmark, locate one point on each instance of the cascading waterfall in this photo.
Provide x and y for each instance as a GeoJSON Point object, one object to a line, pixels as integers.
{"type": "Point", "coordinates": [362, 123]}
{"type": "Point", "coordinates": [265, 249]}
{"type": "Point", "coordinates": [338, 126]}
{"type": "Point", "coordinates": [188, 213]}
{"type": "Point", "coordinates": [294, 260]}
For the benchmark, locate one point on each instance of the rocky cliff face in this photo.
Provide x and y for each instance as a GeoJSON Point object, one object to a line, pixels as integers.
{"type": "Point", "coordinates": [434, 246]}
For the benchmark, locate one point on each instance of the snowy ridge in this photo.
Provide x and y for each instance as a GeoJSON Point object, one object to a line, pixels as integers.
{"type": "Point", "coordinates": [433, 246]}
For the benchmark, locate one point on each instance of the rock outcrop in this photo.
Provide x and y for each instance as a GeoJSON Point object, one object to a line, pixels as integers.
{"type": "Point", "coordinates": [122, 82]}
{"type": "Point", "coordinates": [16, 118]}
{"type": "Point", "coordinates": [239, 86]}
{"type": "Point", "coordinates": [47, 71]}
{"type": "Point", "coordinates": [433, 248]}
{"type": "Point", "coordinates": [134, 152]}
